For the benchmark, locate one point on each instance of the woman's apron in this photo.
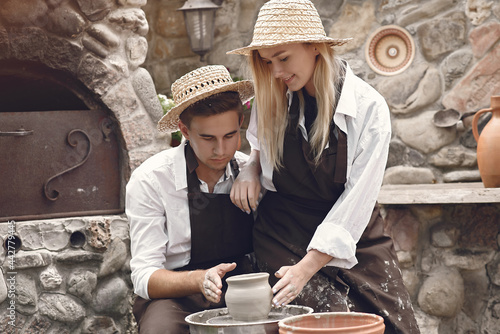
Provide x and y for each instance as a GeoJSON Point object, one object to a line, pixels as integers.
{"type": "Point", "coordinates": [288, 218]}
{"type": "Point", "coordinates": [220, 233]}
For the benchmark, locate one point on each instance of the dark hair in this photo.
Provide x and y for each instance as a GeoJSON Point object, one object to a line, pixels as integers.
{"type": "Point", "coordinates": [212, 105]}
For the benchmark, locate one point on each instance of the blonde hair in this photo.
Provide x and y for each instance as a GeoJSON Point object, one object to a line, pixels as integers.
{"type": "Point", "coordinates": [272, 104]}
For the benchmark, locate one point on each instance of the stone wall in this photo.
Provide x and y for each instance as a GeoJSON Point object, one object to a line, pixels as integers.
{"type": "Point", "coordinates": [450, 260]}
{"type": "Point", "coordinates": [456, 65]}
{"type": "Point", "coordinates": [68, 275]}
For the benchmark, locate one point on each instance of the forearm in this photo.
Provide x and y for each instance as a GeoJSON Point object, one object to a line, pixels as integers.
{"type": "Point", "coordinates": [175, 284]}
{"type": "Point", "coordinates": [253, 162]}
{"type": "Point", "coordinates": [312, 262]}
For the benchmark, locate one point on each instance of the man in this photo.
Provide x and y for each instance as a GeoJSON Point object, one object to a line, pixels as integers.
{"type": "Point", "coordinates": [185, 233]}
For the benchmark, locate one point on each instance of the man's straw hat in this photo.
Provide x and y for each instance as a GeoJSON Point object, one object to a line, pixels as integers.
{"type": "Point", "coordinates": [286, 22]}
{"type": "Point", "coordinates": [199, 84]}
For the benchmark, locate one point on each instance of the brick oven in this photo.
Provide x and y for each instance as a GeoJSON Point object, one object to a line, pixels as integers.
{"type": "Point", "coordinates": [77, 114]}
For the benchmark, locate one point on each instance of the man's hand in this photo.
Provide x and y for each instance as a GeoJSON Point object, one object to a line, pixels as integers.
{"type": "Point", "coordinates": [212, 282]}
{"type": "Point", "coordinates": [246, 188]}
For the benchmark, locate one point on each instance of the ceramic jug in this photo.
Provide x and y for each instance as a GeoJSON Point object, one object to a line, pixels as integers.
{"type": "Point", "coordinates": [488, 145]}
{"type": "Point", "coordinates": [248, 296]}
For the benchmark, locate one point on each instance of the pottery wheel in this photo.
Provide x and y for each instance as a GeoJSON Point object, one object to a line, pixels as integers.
{"type": "Point", "coordinates": [219, 321]}
{"type": "Point", "coordinates": [228, 319]}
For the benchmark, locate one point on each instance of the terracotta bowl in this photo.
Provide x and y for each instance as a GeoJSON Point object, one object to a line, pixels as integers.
{"type": "Point", "coordinates": [333, 322]}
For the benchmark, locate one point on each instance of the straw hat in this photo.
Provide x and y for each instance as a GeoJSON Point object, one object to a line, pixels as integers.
{"type": "Point", "coordinates": [199, 84]}
{"type": "Point", "coordinates": [286, 22]}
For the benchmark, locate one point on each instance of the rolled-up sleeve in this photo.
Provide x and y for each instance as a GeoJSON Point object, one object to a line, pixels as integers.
{"type": "Point", "coordinates": [148, 235]}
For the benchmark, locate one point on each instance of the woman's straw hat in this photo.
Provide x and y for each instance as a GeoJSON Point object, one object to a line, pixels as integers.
{"type": "Point", "coordinates": [286, 22]}
{"type": "Point", "coordinates": [199, 84]}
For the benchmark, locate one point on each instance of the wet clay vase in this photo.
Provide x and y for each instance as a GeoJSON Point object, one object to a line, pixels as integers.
{"type": "Point", "coordinates": [333, 322]}
{"type": "Point", "coordinates": [248, 296]}
{"type": "Point", "coordinates": [488, 145]}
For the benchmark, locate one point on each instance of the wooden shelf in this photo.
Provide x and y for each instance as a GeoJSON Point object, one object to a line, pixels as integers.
{"type": "Point", "coordinates": [439, 193]}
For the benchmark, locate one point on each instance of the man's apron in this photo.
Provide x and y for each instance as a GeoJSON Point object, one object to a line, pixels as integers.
{"type": "Point", "coordinates": [288, 218]}
{"type": "Point", "coordinates": [220, 233]}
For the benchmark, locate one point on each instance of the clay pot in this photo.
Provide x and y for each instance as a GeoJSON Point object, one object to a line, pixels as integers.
{"type": "Point", "coordinates": [333, 322]}
{"type": "Point", "coordinates": [248, 296]}
{"type": "Point", "coordinates": [488, 145]}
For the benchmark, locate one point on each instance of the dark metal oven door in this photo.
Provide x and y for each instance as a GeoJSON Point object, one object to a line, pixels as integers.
{"type": "Point", "coordinates": [58, 164]}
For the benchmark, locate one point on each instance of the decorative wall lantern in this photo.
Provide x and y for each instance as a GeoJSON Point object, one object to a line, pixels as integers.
{"type": "Point", "coordinates": [199, 16]}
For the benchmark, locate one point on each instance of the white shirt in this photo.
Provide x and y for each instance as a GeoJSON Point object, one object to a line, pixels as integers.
{"type": "Point", "coordinates": [158, 213]}
{"type": "Point", "coordinates": [364, 116]}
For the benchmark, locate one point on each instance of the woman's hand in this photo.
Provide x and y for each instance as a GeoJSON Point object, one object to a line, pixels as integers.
{"type": "Point", "coordinates": [246, 188]}
{"type": "Point", "coordinates": [212, 282]}
{"type": "Point", "coordinates": [294, 278]}
{"type": "Point", "coordinates": [292, 281]}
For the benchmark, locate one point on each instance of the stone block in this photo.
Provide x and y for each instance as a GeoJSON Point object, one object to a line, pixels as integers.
{"type": "Point", "coordinates": [136, 48]}
{"type": "Point", "coordinates": [132, 19]}
{"type": "Point", "coordinates": [465, 259]}
{"type": "Point", "coordinates": [122, 99]}
{"type": "Point", "coordinates": [144, 88]}
{"type": "Point", "coordinates": [462, 176]}
{"type": "Point", "coordinates": [138, 131]}
{"type": "Point", "coordinates": [32, 259]}
{"type": "Point", "coordinates": [476, 292]}
{"type": "Point", "coordinates": [95, 10]}
{"type": "Point", "coordinates": [478, 10]}
{"type": "Point", "coordinates": [77, 256]}
{"type": "Point", "coordinates": [428, 91]}
{"type": "Point", "coordinates": [444, 235]}
{"type": "Point", "coordinates": [475, 89]}
{"type": "Point", "coordinates": [82, 284]}
{"type": "Point", "coordinates": [99, 324]}
{"type": "Point", "coordinates": [111, 297]}
{"type": "Point", "coordinates": [65, 21]}
{"type": "Point", "coordinates": [61, 308]}
{"type": "Point", "coordinates": [442, 35]}
{"type": "Point", "coordinates": [407, 84]}
{"type": "Point", "coordinates": [455, 65]}
{"type": "Point", "coordinates": [454, 156]}
{"type": "Point", "coordinates": [114, 258]}
{"type": "Point", "coordinates": [50, 279]}
{"type": "Point", "coordinates": [362, 17]}
{"type": "Point", "coordinates": [27, 294]}
{"type": "Point", "coordinates": [96, 75]}
{"type": "Point", "coordinates": [408, 175]}
{"type": "Point", "coordinates": [442, 293]}
{"type": "Point", "coordinates": [484, 37]}
{"type": "Point", "coordinates": [490, 321]}
{"type": "Point", "coordinates": [494, 270]}
{"type": "Point", "coordinates": [420, 133]}
{"type": "Point", "coordinates": [402, 155]}
{"type": "Point", "coordinates": [423, 11]}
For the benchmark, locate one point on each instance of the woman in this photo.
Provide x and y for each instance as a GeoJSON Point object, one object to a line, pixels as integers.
{"type": "Point", "coordinates": [320, 138]}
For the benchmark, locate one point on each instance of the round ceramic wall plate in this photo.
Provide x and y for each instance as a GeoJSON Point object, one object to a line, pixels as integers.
{"type": "Point", "coordinates": [390, 50]}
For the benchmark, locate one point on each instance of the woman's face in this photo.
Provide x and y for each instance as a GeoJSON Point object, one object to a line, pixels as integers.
{"type": "Point", "coordinates": [292, 63]}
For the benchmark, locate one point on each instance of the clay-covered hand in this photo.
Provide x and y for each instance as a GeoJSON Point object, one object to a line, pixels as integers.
{"type": "Point", "coordinates": [212, 282]}
{"type": "Point", "coordinates": [292, 281]}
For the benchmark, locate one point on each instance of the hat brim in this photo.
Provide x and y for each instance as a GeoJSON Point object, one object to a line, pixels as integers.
{"type": "Point", "coordinates": [169, 122]}
{"type": "Point", "coordinates": [245, 51]}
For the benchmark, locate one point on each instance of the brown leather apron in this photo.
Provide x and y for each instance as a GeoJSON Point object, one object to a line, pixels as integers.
{"type": "Point", "coordinates": [287, 220]}
{"type": "Point", "coordinates": [220, 233]}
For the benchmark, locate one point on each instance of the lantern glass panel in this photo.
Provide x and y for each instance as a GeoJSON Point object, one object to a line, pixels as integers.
{"type": "Point", "coordinates": [200, 26]}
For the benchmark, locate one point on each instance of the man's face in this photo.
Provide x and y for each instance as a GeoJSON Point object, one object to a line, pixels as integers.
{"type": "Point", "coordinates": [214, 139]}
